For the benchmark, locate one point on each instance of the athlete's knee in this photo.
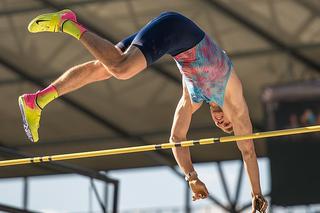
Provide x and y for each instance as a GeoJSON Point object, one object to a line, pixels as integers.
{"type": "Point", "coordinates": [116, 69]}
{"type": "Point", "coordinates": [100, 71]}
{"type": "Point", "coordinates": [119, 73]}
{"type": "Point", "coordinates": [120, 69]}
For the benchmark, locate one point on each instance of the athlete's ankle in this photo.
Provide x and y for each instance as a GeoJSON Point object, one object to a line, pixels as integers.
{"type": "Point", "coordinates": [73, 28]}
{"type": "Point", "coordinates": [45, 96]}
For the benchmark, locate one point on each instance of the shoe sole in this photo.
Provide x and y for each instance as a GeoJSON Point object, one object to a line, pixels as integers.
{"type": "Point", "coordinates": [24, 120]}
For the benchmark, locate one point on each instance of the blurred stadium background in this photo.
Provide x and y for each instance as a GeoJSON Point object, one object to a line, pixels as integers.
{"type": "Point", "coordinates": [275, 47]}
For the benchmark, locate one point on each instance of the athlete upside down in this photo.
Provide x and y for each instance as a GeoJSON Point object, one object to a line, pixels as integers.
{"type": "Point", "coordinates": [206, 70]}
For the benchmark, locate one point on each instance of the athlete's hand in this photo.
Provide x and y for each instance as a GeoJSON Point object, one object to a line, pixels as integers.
{"type": "Point", "coordinates": [199, 189]}
{"type": "Point", "coordinates": [259, 204]}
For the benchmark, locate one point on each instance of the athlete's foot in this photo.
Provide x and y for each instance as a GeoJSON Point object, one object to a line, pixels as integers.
{"type": "Point", "coordinates": [31, 114]}
{"type": "Point", "coordinates": [62, 21]}
{"type": "Point", "coordinates": [51, 22]}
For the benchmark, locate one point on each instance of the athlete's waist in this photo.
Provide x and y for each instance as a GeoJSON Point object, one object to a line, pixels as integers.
{"type": "Point", "coordinates": [204, 51]}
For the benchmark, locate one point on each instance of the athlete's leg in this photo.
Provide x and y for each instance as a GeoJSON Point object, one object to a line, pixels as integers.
{"type": "Point", "coordinates": [31, 105]}
{"type": "Point", "coordinates": [169, 33]}
{"type": "Point", "coordinates": [81, 75]}
{"type": "Point", "coordinates": [121, 65]}
{"type": "Point", "coordinates": [236, 110]}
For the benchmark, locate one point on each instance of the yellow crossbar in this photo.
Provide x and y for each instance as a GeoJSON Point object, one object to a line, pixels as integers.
{"type": "Point", "coordinates": [153, 147]}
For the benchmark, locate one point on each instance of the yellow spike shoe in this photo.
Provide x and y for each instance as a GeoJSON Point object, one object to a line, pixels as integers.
{"type": "Point", "coordinates": [51, 22]}
{"type": "Point", "coordinates": [31, 114]}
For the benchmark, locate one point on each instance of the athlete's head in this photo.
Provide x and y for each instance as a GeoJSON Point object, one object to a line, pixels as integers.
{"type": "Point", "coordinates": [220, 120]}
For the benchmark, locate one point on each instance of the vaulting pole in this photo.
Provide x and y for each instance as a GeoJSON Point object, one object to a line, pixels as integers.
{"type": "Point", "coordinates": [154, 147]}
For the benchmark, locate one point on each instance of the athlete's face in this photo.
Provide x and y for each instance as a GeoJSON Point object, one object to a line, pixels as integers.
{"type": "Point", "coordinates": [220, 120]}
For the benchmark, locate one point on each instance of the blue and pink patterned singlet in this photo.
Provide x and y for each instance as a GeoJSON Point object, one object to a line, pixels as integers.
{"type": "Point", "coordinates": [205, 68]}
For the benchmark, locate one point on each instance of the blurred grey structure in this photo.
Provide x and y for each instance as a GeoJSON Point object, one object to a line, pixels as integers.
{"type": "Point", "coordinates": [269, 41]}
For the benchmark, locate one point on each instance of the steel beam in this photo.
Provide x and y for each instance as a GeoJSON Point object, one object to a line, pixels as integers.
{"type": "Point", "coordinates": [232, 55]}
{"type": "Point", "coordinates": [224, 183]}
{"type": "Point", "coordinates": [13, 11]}
{"type": "Point", "coordinates": [309, 6]}
{"type": "Point", "coordinates": [239, 184]}
{"type": "Point", "coordinates": [263, 33]}
{"type": "Point", "coordinates": [271, 50]}
{"type": "Point", "coordinates": [11, 209]}
{"type": "Point", "coordinates": [58, 166]}
{"type": "Point", "coordinates": [63, 167]}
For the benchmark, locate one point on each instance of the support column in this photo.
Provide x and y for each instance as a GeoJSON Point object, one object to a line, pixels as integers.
{"type": "Point", "coordinates": [106, 196]}
{"type": "Point", "coordinates": [95, 190]}
{"type": "Point", "coordinates": [115, 197]}
{"type": "Point", "coordinates": [187, 199]}
{"type": "Point", "coordinates": [25, 193]}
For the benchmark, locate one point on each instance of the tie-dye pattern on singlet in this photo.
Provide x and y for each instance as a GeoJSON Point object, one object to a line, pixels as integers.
{"type": "Point", "coordinates": [205, 68]}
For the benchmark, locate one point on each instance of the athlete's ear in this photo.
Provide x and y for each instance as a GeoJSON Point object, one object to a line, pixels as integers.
{"type": "Point", "coordinates": [224, 124]}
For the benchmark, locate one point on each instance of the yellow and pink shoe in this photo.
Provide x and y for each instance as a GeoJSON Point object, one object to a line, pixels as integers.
{"type": "Point", "coordinates": [62, 21]}
{"type": "Point", "coordinates": [31, 114]}
{"type": "Point", "coordinates": [31, 106]}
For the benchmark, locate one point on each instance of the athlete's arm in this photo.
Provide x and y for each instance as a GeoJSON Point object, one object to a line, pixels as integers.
{"type": "Point", "coordinates": [235, 108]}
{"type": "Point", "coordinates": [180, 127]}
{"type": "Point", "coordinates": [181, 123]}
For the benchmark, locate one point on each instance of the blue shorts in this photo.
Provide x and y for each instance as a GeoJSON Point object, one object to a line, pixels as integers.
{"type": "Point", "coordinates": [170, 33]}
